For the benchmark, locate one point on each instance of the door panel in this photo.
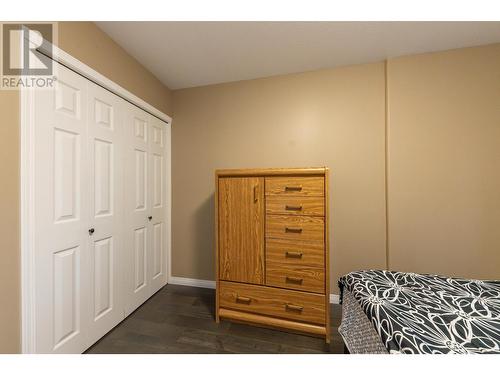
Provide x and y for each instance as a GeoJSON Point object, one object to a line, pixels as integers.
{"type": "Point", "coordinates": [157, 181]}
{"type": "Point", "coordinates": [145, 205]}
{"type": "Point", "coordinates": [105, 145]}
{"type": "Point", "coordinates": [66, 295]}
{"type": "Point", "coordinates": [100, 234]}
{"type": "Point", "coordinates": [137, 206]}
{"type": "Point", "coordinates": [103, 276]}
{"type": "Point", "coordinates": [61, 215]}
{"type": "Point", "coordinates": [157, 199]}
{"type": "Point", "coordinates": [157, 250]}
{"type": "Point", "coordinates": [140, 258]}
{"type": "Point", "coordinates": [67, 172]}
{"type": "Point", "coordinates": [103, 177]}
{"type": "Point", "coordinates": [140, 179]}
{"type": "Point", "coordinates": [241, 229]}
{"type": "Point", "coordinates": [68, 95]}
{"type": "Point", "coordinates": [140, 125]}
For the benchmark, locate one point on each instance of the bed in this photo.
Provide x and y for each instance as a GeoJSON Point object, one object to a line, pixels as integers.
{"type": "Point", "coordinates": [398, 312]}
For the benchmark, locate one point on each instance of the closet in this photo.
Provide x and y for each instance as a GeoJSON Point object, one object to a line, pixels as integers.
{"type": "Point", "coordinates": [100, 195]}
{"type": "Point", "coordinates": [272, 248]}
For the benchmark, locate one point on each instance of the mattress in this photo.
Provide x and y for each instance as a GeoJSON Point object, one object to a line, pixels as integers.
{"type": "Point", "coordinates": [415, 313]}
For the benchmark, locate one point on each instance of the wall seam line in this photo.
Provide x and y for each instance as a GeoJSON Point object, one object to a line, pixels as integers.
{"type": "Point", "coordinates": [386, 152]}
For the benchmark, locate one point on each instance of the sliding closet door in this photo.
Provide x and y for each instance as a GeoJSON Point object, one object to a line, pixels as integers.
{"type": "Point", "coordinates": [61, 215]}
{"type": "Point", "coordinates": [157, 202]}
{"type": "Point", "coordinates": [100, 234]}
{"type": "Point", "coordinates": [106, 245]}
{"type": "Point", "coordinates": [137, 205]}
{"type": "Point", "coordinates": [145, 205]}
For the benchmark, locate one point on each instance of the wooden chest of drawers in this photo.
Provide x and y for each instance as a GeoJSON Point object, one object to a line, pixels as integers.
{"type": "Point", "coordinates": [272, 257]}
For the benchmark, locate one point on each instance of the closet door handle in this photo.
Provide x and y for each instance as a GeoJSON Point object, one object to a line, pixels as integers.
{"type": "Point", "coordinates": [255, 196]}
{"type": "Point", "coordinates": [294, 280]}
{"type": "Point", "coordinates": [297, 308]}
{"type": "Point", "coordinates": [150, 218]}
{"type": "Point", "coordinates": [240, 299]}
{"type": "Point", "coordinates": [293, 208]}
{"type": "Point", "coordinates": [91, 231]}
{"type": "Point", "coordinates": [293, 230]}
{"type": "Point", "coordinates": [293, 254]}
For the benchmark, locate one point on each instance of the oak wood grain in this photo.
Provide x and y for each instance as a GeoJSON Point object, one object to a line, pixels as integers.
{"type": "Point", "coordinates": [217, 277]}
{"type": "Point", "coordinates": [327, 254]}
{"type": "Point", "coordinates": [292, 205]}
{"type": "Point", "coordinates": [267, 321]}
{"type": "Point", "coordinates": [292, 276]}
{"type": "Point", "coordinates": [241, 229]}
{"type": "Point", "coordinates": [319, 171]}
{"type": "Point", "coordinates": [288, 225]}
{"type": "Point", "coordinates": [301, 228]}
{"type": "Point", "coordinates": [296, 186]}
{"type": "Point", "coordinates": [302, 254]}
{"type": "Point", "coordinates": [273, 302]}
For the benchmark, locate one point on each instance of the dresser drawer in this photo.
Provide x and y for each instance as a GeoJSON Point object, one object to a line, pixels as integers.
{"type": "Point", "coordinates": [270, 301]}
{"type": "Point", "coordinates": [293, 253]}
{"type": "Point", "coordinates": [292, 205]}
{"type": "Point", "coordinates": [309, 279]}
{"type": "Point", "coordinates": [300, 186]}
{"type": "Point", "coordinates": [302, 228]}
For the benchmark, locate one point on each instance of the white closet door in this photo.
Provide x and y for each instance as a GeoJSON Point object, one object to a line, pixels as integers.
{"type": "Point", "coordinates": [100, 234]}
{"type": "Point", "coordinates": [61, 215]}
{"type": "Point", "coordinates": [105, 144]}
{"type": "Point", "coordinates": [137, 206]}
{"type": "Point", "coordinates": [157, 199]}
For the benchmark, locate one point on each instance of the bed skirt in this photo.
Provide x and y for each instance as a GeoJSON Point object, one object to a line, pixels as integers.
{"type": "Point", "coordinates": [358, 333]}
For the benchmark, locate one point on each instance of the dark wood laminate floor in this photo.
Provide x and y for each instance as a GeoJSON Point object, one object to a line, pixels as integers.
{"type": "Point", "coordinates": [180, 319]}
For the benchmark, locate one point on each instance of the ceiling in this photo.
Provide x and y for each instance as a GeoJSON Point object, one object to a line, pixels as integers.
{"type": "Point", "coordinates": [188, 54]}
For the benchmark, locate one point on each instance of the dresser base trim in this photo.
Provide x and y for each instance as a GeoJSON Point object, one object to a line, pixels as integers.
{"type": "Point", "coordinates": [210, 284]}
{"type": "Point", "coordinates": [270, 322]}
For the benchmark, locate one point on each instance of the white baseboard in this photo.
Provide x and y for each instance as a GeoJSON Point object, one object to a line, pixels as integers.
{"type": "Point", "coordinates": [191, 282]}
{"type": "Point", "coordinates": [334, 298]}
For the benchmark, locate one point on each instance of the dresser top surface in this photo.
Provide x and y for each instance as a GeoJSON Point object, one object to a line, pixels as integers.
{"type": "Point", "coordinates": [271, 171]}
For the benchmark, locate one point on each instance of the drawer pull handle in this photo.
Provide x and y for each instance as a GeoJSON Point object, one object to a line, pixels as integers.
{"type": "Point", "coordinates": [297, 308]}
{"type": "Point", "coordinates": [293, 188]}
{"type": "Point", "coordinates": [240, 299]}
{"type": "Point", "coordinates": [293, 208]}
{"type": "Point", "coordinates": [293, 230]}
{"type": "Point", "coordinates": [295, 280]}
{"type": "Point", "coordinates": [293, 254]}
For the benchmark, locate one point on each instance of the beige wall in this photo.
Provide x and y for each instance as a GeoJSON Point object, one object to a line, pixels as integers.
{"type": "Point", "coordinates": [444, 162]}
{"type": "Point", "coordinates": [333, 118]}
{"type": "Point", "coordinates": [86, 42]}
{"type": "Point", "coordinates": [10, 311]}
{"type": "Point", "coordinates": [443, 159]}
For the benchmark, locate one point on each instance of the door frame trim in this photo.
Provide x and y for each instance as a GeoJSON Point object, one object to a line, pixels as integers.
{"type": "Point", "coordinates": [27, 187]}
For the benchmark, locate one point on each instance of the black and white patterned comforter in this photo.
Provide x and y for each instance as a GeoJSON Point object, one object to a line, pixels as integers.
{"type": "Point", "coordinates": [415, 313]}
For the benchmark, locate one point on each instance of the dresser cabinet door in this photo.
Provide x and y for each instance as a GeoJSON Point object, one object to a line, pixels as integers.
{"type": "Point", "coordinates": [241, 229]}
